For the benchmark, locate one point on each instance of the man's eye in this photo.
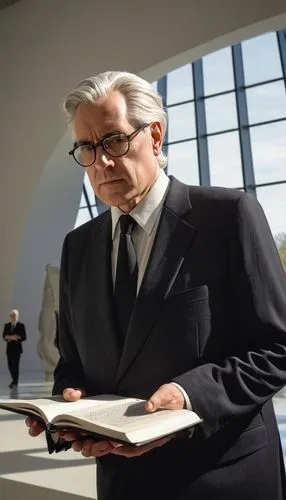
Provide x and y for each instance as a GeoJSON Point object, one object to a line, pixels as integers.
{"type": "Point", "coordinates": [117, 138]}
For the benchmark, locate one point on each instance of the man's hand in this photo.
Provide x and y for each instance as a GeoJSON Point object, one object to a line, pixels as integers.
{"type": "Point", "coordinates": [35, 427]}
{"type": "Point", "coordinates": [11, 337]}
{"type": "Point", "coordinates": [88, 447]}
{"type": "Point", "coordinates": [136, 451]}
{"type": "Point", "coordinates": [168, 396]}
{"type": "Point", "coordinates": [71, 394]}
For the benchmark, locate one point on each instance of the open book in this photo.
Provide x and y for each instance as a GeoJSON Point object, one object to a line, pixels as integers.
{"type": "Point", "coordinates": [103, 417]}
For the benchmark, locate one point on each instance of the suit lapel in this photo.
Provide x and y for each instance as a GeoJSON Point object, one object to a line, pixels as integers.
{"type": "Point", "coordinates": [174, 237]}
{"type": "Point", "coordinates": [99, 279]}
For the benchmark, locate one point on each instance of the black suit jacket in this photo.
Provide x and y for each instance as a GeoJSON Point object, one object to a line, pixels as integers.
{"type": "Point", "coordinates": [210, 315]}
{"type": "Point", "coordinates": [14, 347]}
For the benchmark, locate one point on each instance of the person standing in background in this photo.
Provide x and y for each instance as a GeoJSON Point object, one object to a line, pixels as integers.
{"type": "Point", "coordinates": [14, 333]}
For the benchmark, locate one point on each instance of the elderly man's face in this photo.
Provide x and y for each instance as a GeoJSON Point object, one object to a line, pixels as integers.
{"type": "Point", "coordinates": [13, 317]}
{"type": "Point", "coordinates": [119, 181]}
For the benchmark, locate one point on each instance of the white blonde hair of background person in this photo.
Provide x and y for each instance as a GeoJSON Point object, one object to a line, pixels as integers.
{"type": "Point", "coordinates": [144, 105]}
{"type": "Point", "coordinates": [16, 312]}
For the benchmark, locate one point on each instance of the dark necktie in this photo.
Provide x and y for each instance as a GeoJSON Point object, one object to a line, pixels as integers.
{"type": "Point", "coordinates": [126, 275]}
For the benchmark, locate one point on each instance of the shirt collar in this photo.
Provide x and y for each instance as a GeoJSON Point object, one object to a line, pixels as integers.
{"type": "Point", "coordinates": [145, 213]}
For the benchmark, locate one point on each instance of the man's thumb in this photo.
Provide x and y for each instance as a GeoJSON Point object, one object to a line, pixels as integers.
{"type": "Point", "coordinates": [153, 403]}
{"type": "Point", "coordinates": [72, 394]}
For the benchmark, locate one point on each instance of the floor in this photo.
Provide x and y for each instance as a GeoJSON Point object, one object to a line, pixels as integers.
{"type": "Point", "coordinates": [28, 472]}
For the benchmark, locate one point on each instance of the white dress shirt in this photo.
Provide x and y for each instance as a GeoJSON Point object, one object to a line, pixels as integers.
{"type": "Point", "coordinates": [147, 215]}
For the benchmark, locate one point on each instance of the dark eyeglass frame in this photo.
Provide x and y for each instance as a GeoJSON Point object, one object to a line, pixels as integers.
{"type": "Point", "coordinates": [104, 144]}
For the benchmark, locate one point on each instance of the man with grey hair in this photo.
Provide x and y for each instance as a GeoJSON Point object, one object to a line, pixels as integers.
{"type": "Point", "coordinates": [14, 333]}
{"type": "Point", "coordinates": [175, 295]}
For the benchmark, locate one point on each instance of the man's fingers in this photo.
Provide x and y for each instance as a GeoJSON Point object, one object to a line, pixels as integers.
{"type": "Point", "coordinates": [131, 451]}
{"type": "Point", "coordinates": [71, 394]}
{"type": "Point", "coordinates": [90, 448]}
{"type": "Point", "coordinates": [160, 399]}
{"type": "Point", "coordinates": [77, 445]}
{"type": "Point", "coordinates": [101, 448]}
{"type": "Point", "coordinates": [167, 396]}
{"type": "Point", "coordinates": [115, 444]}
{"type": "Point", "coordinates": [86, 447]}
{"type": "Point", "coordinates": [154, 402]}
{"type": "Point", "coordinates": [29, 421]}
{"type": "Point", "coordinates": [35, 428]}
{"type": "Point", "coordinates": [69, 436]}
{"type": "Point", "coordinates": [35, 431]}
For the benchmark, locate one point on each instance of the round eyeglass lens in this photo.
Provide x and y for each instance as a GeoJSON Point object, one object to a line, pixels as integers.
{"type": "Point", "coordinates": [116, 145]}
{"type": "Point", "coordinates": [85, 155]}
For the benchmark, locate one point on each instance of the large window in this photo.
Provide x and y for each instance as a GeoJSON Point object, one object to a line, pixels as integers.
{"type": "Point", "coordinates": [218, 72]}
{"type": "Point", "coordinates": [227, 122]}
{"type": "Point", "coordinates": [181, 122]}
{"type": "Point", "coordinates": [261, 59]}
{"type": "Point", "coordinates": [225, 160]}
{"type": "Point", "coordinates": [180, 85]}
{"type": "Point", "coordinates": [221, 113]}
{"type": "Point", "coordinates": [268, 143]}
{"type": "Point", "coordinates": [89, 206]}
{"type": "Point", "coordinates": [180, 157]}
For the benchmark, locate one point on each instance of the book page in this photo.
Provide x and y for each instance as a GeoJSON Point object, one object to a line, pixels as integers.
{"type": "Point", "coordinates": [130, 420]}
{"type": "Point", "coordinates": [110, 415]}
{"type": "Point", "coordinates": [67, 407]}
{"type": "Point", "coordinates": [36, 407]}
{"type": "Point", "coordinates": [49, 407]}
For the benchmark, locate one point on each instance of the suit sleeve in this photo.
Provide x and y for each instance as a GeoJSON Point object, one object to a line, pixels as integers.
{"type": "Point", "coordinates": [23, 333]}
{"type": "Point", "coordinates": [69, 371]}
{"type": "Point", "coordinates": [5, 332]}
{"type": "Point", "coordinates": [243, 382]}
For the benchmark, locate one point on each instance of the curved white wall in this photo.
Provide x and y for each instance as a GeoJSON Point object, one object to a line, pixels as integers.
{"type": "Point", "coordinates": [46, 50]}
{"type": "Point", "coordinates": [52, 214]}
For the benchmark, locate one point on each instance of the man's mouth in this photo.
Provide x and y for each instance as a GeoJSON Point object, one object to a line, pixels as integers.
{"type": "Point", "coordinates": [111, 181]}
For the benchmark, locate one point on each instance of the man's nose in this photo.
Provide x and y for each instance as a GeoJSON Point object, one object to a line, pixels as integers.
{"type": "Point", "coordinates": [103, 160]}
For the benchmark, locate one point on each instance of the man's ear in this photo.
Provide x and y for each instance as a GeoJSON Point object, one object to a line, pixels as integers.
{"type": "Point", "coordinates": [157, 137]}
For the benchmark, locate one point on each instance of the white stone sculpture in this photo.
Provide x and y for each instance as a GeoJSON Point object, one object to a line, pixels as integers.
{"type": "Point", "coordinates": [46, 347]}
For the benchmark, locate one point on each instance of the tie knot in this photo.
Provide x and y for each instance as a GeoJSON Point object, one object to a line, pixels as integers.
{"type": "Point", "coordinates": [126, 224]}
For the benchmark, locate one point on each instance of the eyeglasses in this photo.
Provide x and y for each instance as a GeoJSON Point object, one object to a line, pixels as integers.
{"type": "Point", "coordinates": [115, 145]}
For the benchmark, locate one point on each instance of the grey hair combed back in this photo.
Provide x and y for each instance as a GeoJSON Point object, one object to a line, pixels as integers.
{"type": "Point", "coordinates": [144, 104]}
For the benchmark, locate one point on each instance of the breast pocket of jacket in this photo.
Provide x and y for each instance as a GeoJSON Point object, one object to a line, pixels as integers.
{"type": "Point", "coordinates": [185, 319]}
